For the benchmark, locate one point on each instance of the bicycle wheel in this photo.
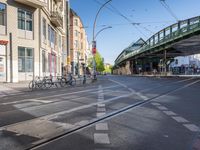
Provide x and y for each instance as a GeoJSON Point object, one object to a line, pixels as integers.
{"type": "Point", "coordinates": [31, 85]}
{"type": "Point", "coordinates": [63, 82]}
{"type": "Point", "coordinates": [72, 82]}
{"type": "Point", "coordinates": [48, 83]}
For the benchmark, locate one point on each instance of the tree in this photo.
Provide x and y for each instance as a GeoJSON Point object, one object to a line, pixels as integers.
{"type": "Point", "coordinates": [99, 62]}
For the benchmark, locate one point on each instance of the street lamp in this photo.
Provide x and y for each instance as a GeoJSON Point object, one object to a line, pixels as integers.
{"type": "Point", "coordinates": [94, 42]}
{"type": "Point", "coordinates": [101, 31]}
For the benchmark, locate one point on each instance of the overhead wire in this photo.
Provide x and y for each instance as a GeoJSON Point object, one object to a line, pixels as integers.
{"type": "Point", "coordinates": [164, 4]}
{"type": "Point", "coordinates": [115, 10]}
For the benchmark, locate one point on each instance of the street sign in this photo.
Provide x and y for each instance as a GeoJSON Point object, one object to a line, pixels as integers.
{"type": "Point", "coordinates": [94, 50]}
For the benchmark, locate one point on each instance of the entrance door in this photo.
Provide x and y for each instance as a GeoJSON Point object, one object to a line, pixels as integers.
{"type": "Point", "coordinates": [2, 69]}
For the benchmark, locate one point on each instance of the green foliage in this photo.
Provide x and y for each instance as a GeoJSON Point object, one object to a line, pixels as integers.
{"type": "Point", "coordinates": [108, 69]}
{"type": "Point", "coordinates": [99, 62]}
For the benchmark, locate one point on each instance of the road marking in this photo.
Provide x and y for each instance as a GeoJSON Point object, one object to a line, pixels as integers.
{"type": "Point", "coordinates": [29, 100]}
{"type": "Point", "coordinates": [123, 85]}
{"type": "Point", "coordinates": [170, 113]}
{"type": "Point", "coordinates": [132, 90]}
{"type": "Point", "coordinates": [191, 127]}
{"type": "Point", "coordinates": [101, 109]}
{"type": "Point", "coordinates": [141, 96]}
{"type": "Point", "coordinates": [156, 104]}
{"type": "Point", "coordinates": [100, 105]}
{"type": "Point", "coordinates": [100, 114]}
{"type": "Point", "coordinates": [180, 119]}
{"type": "Point", "coordinates": [101, 138]}
{"type": "Point", "coordinates": [162, 108]}
{"type": "Point", "coordinates": [102, 126]}
{"type": "Point", "coordinates": [184, 80]}
{"type": "Point", "coordinates": [64, 94]}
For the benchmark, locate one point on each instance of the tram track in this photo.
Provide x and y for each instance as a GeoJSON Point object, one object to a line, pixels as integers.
{"type": "Point", "coordinates": [107, 116]}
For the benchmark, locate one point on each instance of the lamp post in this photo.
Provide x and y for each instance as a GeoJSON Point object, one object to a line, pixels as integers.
{"type": "Point", "coordinates": [101, 31]}
{"type": "Point", "coordinates": [93, 39]}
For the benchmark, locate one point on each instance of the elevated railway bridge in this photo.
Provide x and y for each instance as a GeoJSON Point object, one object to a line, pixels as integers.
{"type": "Point", "coordinates": [179, 39]}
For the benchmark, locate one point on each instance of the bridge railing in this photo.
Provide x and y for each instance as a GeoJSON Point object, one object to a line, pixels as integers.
{"type": "Point", "coordinates": [166, 35]}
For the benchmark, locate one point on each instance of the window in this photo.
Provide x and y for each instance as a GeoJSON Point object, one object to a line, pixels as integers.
{"type": "Point", "coordinates": [76, 33]}
{"type": "Point", "coordinates": [25, 59]}
{"type": "Point", "coordinates": [44, 28]}
{"type": "Point", "coordinates": [76, 22]}
{"type": "Point", "coordinates": [25, 20]}
{"type": "Point", "coordinates": [2, 14]}
{"type": "Point", "coordinates": [76, 44]}
{"type": "Point", "coordinates": [51, 34]}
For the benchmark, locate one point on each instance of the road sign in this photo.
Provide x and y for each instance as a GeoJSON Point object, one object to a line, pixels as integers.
{"type": "Point", "coordinates": [94, 47]}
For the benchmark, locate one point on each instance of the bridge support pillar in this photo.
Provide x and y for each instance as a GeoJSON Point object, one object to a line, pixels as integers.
{"type": "Point", "coordinates": [164, 62]}
{"type": "Point", "coordinates": [127, 68]}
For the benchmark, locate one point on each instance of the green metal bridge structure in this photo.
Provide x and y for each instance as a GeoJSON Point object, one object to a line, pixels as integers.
{"type": "Point", "coordinates": [179, 39]}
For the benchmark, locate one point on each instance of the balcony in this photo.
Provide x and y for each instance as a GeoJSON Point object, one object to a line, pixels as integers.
{"type": "Point", "coordinates": [56, 19]}
{"type": "Point", "coordinates": [33, 3]}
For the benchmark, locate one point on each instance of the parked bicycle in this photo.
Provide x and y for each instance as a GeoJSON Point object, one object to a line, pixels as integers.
{"type": "Point", "coordinates": [69, 80]}
{"type": "Point", "coordinates": [52, 81]}
{"type": "Point", "coordinates": [35, 83]}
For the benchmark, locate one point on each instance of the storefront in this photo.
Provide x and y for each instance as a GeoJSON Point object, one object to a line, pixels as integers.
{"type": "Point", "coordinates": [25, 63]}
{"type": "Point", "coordinates": [52, 64]}
{"type": "Point", "coordinates": [3, 72]}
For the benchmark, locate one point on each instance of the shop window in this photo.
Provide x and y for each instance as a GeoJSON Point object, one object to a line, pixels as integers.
{"type": "Point", "coordinates": [25, 59]}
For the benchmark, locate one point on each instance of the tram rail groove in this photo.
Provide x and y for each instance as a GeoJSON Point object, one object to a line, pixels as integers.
{"type": "Point", "coordinates": [105, 117]}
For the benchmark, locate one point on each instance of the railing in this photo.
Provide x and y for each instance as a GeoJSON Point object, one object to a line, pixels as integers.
{"type": "Point", "coordinates": [168, 34]}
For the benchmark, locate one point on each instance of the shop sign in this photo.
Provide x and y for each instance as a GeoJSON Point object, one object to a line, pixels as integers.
{"type": "Point", "coordinates": [3, 42]}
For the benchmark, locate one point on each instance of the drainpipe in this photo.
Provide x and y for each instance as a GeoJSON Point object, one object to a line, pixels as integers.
{"type": "Point", "coordinates": [39, 42]}
{"type": "Point", "coordinates": [11, 58]}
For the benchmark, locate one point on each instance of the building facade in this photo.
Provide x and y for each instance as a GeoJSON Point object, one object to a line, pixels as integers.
{"type": "Point", "coordinates": [33, 35]}
{"type": "Point", "coordinates": [78, 44]}
{"type": "Point", "coordinates": [186, 64]}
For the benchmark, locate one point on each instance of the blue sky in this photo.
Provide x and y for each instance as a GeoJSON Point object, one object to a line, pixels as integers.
{"type": "Point", "coordinates": [151, 15]}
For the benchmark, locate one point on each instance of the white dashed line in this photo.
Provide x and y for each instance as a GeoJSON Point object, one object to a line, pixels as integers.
{"type": "Point", "coordinates": [102, 126]}
{"type": "Point", "coordinates": [100, 114]}
{"type": "Point", "coordinates": [169, 113]}
{"type": "Point", "coordinates": [101, 109]}
{"type": "Point", "coordinates": [156, 104]}
{"type": "Point", "coordinates": [191, 127]}
{"type": "Point", "coordinates": [162, 108]}
{"type": "Point", "coordinates": [180, 119]}
{"type": "Point", "coordinates": [100, 105]}
{"type": "Point", "coordinates": [101, 138]}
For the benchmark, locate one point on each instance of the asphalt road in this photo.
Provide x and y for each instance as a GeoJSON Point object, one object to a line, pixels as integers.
{"type": "Point", "coordinates": [115, 113]}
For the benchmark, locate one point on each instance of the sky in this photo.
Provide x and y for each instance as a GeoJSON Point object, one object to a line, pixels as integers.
{"type": "Point", "coordinates": [150, 17]}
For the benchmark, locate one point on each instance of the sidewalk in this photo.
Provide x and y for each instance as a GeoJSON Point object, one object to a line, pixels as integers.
{"type": "Point", "coordinates": [158, 75]}
{"type": "Point", "coordinates": [20, 87]}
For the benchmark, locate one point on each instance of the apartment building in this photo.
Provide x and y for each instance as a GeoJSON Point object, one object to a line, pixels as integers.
{"type": "Point", "coordinates": [32, 38]}
{"type": "Point", "coordinates": [78, 44]}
